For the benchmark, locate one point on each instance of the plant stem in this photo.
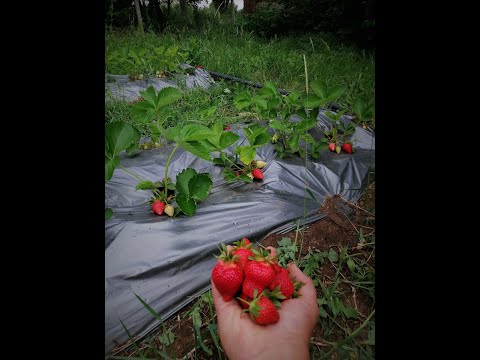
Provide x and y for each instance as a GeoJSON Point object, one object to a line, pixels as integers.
{"type": "Point", "coordinates": [226, 157]}
{"type": "Point", "coordinates": [166, 169]}
{"type": "Point", "coordinates": [130, 173]}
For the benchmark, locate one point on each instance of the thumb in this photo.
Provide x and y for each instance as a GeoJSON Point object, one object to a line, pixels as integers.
{"type": "Point", "coordinates": [308, 288]}
{"type": "Point", "coordinates": [224, 309]}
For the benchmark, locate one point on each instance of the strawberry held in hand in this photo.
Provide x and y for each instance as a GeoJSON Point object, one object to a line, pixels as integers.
{"type": "Point", "coordinates": [259, 273]}
{"type": "Point", "coordinates": [263, 312]}
{"type": "Point", "coordinates": [243, 250]}
{"type": "Point", "coordinates": [227, 274]}
{"type": "Point", "coordinates": [158, 207]}
{"type": "Point", "coordinates": [283, 281]}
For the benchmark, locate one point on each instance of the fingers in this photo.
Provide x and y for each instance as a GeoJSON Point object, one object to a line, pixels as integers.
{"type": "Point", "coordinates": [308, 289]}
{"type": "Point", "coordinates": [273, 251]}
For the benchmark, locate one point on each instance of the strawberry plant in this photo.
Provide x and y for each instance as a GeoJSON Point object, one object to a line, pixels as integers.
{"type": "Point", "coordinates": [150, 113]}
{"type": "Point", "coordinates": [363, 111]}
{"type": "Point", "coordinates": [190, 187]}
{"type": "Point", "coordinates": [246, 170]}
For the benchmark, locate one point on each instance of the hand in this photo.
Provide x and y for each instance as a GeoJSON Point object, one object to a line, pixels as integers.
{"type": "Point", "coordinates": [289, 338]}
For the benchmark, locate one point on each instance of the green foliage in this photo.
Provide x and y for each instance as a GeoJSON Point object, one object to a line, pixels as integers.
{"type": "Point", "coordinates": [191, 189]}
{"type": "Point", "coordinates": [119, 136]}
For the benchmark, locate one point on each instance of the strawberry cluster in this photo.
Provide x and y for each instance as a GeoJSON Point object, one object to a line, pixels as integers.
{"type": "Point", "coordinates": [255, 279]}
{"type": "Point", "coordinates": [346, 147]}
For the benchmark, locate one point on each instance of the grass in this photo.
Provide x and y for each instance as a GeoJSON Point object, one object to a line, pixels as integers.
{"type": "Point", "coordinates": [229, 50]}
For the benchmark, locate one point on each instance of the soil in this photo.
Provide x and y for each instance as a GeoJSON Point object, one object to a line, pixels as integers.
{"type": "Point", "coordinates": [340, 228]}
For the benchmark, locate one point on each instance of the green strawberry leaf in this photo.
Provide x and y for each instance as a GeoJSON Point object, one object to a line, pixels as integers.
{"type": "Point", "coordinates": [293, 141]}
{"type": "Point", "coordinates": [242, 100]}
{"type": "Point", "coordinates": [198, 148]}
{"type": "Point", "coordinates": [118, 137]}
{"type": "Point", "coordinates": [145, 185]}
{"type": "Point", "coordinates": [313, 102]}
{"type": "Point", "coordinates": [247, 154]}
{"type": "Point", "coordinates": [186, 204]}
{"type": "Point", "coordinates": [319, 88]}
{"type": "Point", "coordinates": [336, 92]}
{"type": "Point", "coordinates": [183, 178]}
{"type": "Point", "coordinates": [306, 124]}
{"type": "Point", "coordinates": [193, 132]}
{"type": "Point", "coordinates": [167, 96]}
{"type": "Point", "coordinates": [150, 96]}
{"type": "Point", "coordinates": [268, 89]}
{"type": "Point", "coordinates": [227, 139]}
{"type": "Point", "coordinates": [108, 213]}
{"type": "Point", "coordinates": [245, 178]}
{"type": "Point", "coordinates": [260, 101]}
{"type": "Point", "coordinates": [278, 125]}
{"type": "Point", "coordinates": [110, 165]}
{"type": "Point", "coordinates": [200, 186]}
{"type": "Point", "coordinates": [143, 112]}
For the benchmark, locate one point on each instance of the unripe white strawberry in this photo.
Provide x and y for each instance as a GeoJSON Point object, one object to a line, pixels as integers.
{"type": "Point", "coordinates": [169, 210]}
{"type": "Point", "coordinates": [261, 164]}
{"type": "Point", "coordinates": [250, 175]}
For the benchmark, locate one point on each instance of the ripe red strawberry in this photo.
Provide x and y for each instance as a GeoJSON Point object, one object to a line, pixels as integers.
{"type": "Point", "coordinates": [263, 311]}
{"type": "Point", "coordinates": [227, 274]}
{"type": "Point", "coordinates": [158, 207]}
{"type": "Point", "coordinates": [257, 174]}
{"type": "Point", "coordinates": [285, 284]}
{"type": "Point", "coordinates": [242, 248]}
{"type": "Point", "coordinates": [246, 298]}
{"type": "Point", "coordinates": [249, 287]}
{"type": "Point", "coordinates": [243, 254]}
{"type": "Point", "coordinates": [331, 146]}
{"type": "Point", "coordinates": [259, 270]}
{"type": "Point", "coordinates": [278, 269]}
{"type": "Point", "coordinates": [200, 66]}
{"type": "Point", "coordinates": [227, 128]}
{"type": "Point", "coordinates": [246, 241]}
{"type": "Point", "coordinates": [347, 147]}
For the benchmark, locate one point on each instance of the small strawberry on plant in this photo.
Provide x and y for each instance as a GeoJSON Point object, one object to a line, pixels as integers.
{"type": "Point", "coordinates": [331, 146]}
{"type": "Point", "coordinates": [347, 147]}
{"type": "Point", "coordinates": [260, 164]}
{"type": "Point", "coordinates": [169, 210]}
{"type": "Point", "coordinates": [338, 149]}
{"type": "Point", "coordinates": [158, 207]}
{"type": "Point", "coordinates": [257, 174]}
{"type": "Point", "coordinates": [227, 128]}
